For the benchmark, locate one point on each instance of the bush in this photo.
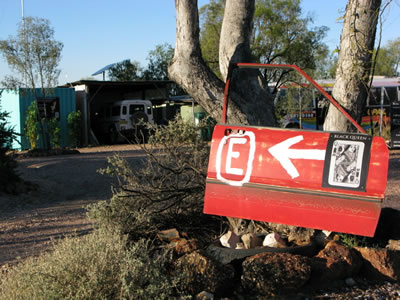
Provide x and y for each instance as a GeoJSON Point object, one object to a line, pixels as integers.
{"type": "Point", "coordinates": [97, 266]}
{"type": "Point", "coordinates": [54, 130]}
{"type": "Point", "coordinates": [31, 124]}
{"type": "Point", "coordinates": [8, 173]}
{"type": "Point", "coordinates": [74, 128]}
{"type": "Point", "coordinates": [166, 190]}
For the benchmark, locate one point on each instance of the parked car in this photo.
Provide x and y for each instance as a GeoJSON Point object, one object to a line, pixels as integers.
{"type": "Point", "coordinates": [125, 119]}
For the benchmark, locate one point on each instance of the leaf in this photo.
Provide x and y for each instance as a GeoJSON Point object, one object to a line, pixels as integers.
{"type": "Point", "coordinates": [340, 18]}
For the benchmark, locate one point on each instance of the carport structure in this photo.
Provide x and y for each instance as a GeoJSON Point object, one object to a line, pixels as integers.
{"type": "Point", "coordinates": [92, 95]}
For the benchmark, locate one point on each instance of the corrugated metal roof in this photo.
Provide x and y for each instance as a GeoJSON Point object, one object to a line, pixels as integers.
{"type": "Point", "coordinates": [121, 83]}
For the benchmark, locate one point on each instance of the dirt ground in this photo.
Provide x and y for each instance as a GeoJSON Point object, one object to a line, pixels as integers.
{"type": "Point", "coordinates": [67, 184]}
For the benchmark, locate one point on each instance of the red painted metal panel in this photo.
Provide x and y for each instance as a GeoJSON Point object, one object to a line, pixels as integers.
{"type": "Point", "coordinates": [312, 211]}
{"type": "Point", "coordinates": [277, 175]}
{"type": "Point", "coordinates": [322, 180]}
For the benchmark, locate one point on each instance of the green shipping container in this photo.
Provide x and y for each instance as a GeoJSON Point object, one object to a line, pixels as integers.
{"type": "Point", "coordinates": [60, 103]}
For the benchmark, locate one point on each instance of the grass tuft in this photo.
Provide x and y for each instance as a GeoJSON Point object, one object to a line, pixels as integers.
{"type": "Point", "coordinates": [97, 266]}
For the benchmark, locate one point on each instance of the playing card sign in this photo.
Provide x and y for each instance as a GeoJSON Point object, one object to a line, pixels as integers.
{"type": "Point", "coordinates": [315, 179]}
{"type": "Point", "coordinates": [346, 161]}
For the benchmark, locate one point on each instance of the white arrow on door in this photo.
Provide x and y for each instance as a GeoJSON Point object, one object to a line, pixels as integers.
{"type": "Point", "coordinates": [283, 154]}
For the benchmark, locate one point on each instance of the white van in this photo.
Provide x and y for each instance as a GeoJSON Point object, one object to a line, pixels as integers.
{"type": "Point", "coordinates": [122, 119]}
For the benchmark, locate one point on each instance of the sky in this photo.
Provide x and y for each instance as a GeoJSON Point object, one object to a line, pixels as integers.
{"type": "Point", "coordinates": [96, 33]}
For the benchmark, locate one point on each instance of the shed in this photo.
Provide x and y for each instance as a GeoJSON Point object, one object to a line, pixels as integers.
{"type": "Point", "coordinates": [59, 104]}
{"type": "Point", "coordinates": [91, 95]}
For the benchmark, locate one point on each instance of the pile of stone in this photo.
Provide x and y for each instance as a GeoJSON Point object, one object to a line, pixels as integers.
{"type": "Point", "coordinates": [270, 265]}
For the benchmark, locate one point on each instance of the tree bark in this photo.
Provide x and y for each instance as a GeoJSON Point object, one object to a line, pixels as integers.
{"type": "Point", "coordinates": [249, 104]}
{"type": "Point", "coordinates": [354, 63]}
{"type": "Point", "coordinates": [236, 31]}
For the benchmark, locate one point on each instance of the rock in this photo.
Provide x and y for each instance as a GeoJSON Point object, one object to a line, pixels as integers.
{"type": "Point", "coordinates": [386, 229]}
{"type": "Point", "coordinates": [246, 239]}
{"type": "Point", "coordinates": [184, 246]}
{"type": "Point", "coordinates": [326, 232]}
{"type": "Point", "coordinates": [268, 274]}
{"type": "Point", "coordinates": [204, 296]}
{"type": "Point", "coordinates": [350, 281]}
{"type": "Point", "coordinates": [251, 240]}
{"type": "Point", "coordinates": [270, 241]}
{"type": "Point", "coordinates": [230, 240]}
{"type": "Point", "coordinates": [297, 235]}
{"type": "Point", "coordinates": [274, 240]}
{"type": "Point", "coordinates": [227, 255]}
{"type": "Point", "coordinates": [380, 264]}
{"type": "Point", "coordinates": [197, 273]}
{"type": "Point", "coordinates": [321, 238]}
{"type": "Point", "coordinates": [240, 246]}
{"type": "Point", "coordinates": [334, 262]}
{"type": "Point", "coordinates": [168, 235]}
{"type": "Point", "coordinates": [393, 245]}
{"type": "Point", "coordinates": [281, 242]}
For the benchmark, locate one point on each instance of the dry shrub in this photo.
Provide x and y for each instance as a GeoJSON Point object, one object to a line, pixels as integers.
{"type": "Point", "coordinates": [97, 266]}
{"type": "Point", "coordinates": [166, 190]}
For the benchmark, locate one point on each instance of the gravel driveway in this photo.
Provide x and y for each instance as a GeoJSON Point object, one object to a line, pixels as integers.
{"type": "Point", "coordinates": [67, 183]}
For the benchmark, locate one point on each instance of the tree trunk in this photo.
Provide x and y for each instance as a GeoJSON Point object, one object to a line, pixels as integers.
{"type": "Point", "coordinates": [236, 31]}
{"type": "Point", "coordinates": [354, 63]}
{"type": "Point", "coordinates": [249, 103]}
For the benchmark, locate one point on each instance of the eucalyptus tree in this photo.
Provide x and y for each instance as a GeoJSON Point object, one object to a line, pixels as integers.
{"type": "Point", "coordinates": [211, 16]}
{"type": "Point", "coordinates": [125, 71]}
{"type": "Point", "coordinates": [388, 59]}
{"type": "Point", "coordinates": [280, 35]}
{"type": "Point", "coordinates": [159, 58]}
{"type": "Point", "coordinates": [251, 102]}
{"type": "Point", "coordinates": [33, 54]}
{"type": "Point", "coordinates": [354, 66]}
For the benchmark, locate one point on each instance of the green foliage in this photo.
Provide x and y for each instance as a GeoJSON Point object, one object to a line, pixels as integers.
{"type": "Point", "coordinates": [33, 54]}
{"type": "Point", "coordinates": [388, 59]}
{"type": "Point", "coordinates": [331, 67]}
{"type": "Point", "coordinates": [289, 102]}
{"type": "Point", "coordinates": [159, 58]}
{"type": "Point", "coordinates": [8, 174]}
{"type": "Point", "coordinates": [211, 16]}
{"type": "Point", "coordinates": [165, 190]}
{"type": "Point", "coordinates": [283, 36]}
{"type": "Point", "coordinates": [100, 265]}
{"type": "Point", "coordinates": [157, 68]}
{"type": "Point", "coordinates": [280, 35]}
{"type": "Point", "coordinates": [54, 131]}
{"type": "Point", "coordinates": [125, 71]}
{"type": "Point", "coordinates": [74, 127]}
{"type": "Point", "coordinates": [384, 63]}
{"type": "Point", "coordinates": [31, 124]}
{"type": "Point", "coordinates": [351, 240]}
